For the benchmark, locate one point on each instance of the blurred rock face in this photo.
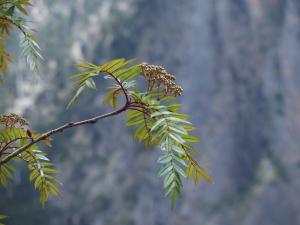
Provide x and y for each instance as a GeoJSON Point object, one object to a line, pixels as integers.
{"type": "Point", "coordinates": [238, 62]}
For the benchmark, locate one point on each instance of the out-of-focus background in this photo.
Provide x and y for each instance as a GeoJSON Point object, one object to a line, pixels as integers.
{"type": "Point", "coordinates": [239, 64]}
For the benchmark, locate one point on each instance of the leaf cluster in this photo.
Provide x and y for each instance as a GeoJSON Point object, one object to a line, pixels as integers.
{"type": "Point", "coordinates": [116, 70]}
{"type": "Point", "coordinates": [40, 168]}
{"type": "Point", "coordinates": [161, 125]}
{"type": "Point", "coordinates": [157, 121]}
{"type": "Point", "coordinates": [12, 15]}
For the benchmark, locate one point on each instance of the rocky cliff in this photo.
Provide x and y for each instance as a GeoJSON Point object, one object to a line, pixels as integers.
{"type": "Point", "coordinates": [238, 62]}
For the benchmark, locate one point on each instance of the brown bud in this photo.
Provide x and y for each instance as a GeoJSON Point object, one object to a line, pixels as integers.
{"type": "Point", "coordinates": [29, 134]}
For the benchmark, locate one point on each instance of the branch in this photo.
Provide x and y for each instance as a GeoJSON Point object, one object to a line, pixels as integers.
{"type": "Point", "coordinates": [121, 85]}
{"type": "Point", "coordinates": [61, 129]}
{"type": "Point", "coordinates": [93, 120]}
{"type": "Point", "coordinates": [15, 24]}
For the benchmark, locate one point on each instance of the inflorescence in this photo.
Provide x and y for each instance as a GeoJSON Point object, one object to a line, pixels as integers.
{"type": "Point", "coordinates": [158, 77]}
{"type": "Point", "coordinates": [12, 120]}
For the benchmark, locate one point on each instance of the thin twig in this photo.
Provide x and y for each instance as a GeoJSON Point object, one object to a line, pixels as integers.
{"type": "Point", "coordinates": [61, 129]}
{"type": "Point", "coordinates": [15, 24]}
{"type": "Point", "coordinates": [121, 85]}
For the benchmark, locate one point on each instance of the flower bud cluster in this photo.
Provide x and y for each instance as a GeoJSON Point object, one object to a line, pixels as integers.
{"type": "Point", "coordinates": [12, 120]}
{"type": "Point", "coordinates": [158, 77]}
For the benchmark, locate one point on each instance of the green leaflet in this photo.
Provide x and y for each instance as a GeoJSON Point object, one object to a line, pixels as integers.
{"type": "Point", "coordinates": [76, 96]}
{"type": "Point", "coordinates": [189, 170]}
{"type": "Point", "coordinates": [111, 66]}
{"type": "Point", "coordinates": [135, 121]}
{"type": "Point", "coordinates": [179, 170]}
{"type": "Point", "coordinates": [164, 159]}
{"type": "Point", "coordinates": [161, 113]}
{"type": "Point", "coordinates": [10, 11]}
{"type": "Point", "coordinates": [188, 128]}
{"type": "Point", "coordinates": [190, 138]}
{"type": "Point", "coordinates": [90, 83]}
{"type": "Point", "coordinates": [176, 119]}
{"type": "Point", "coordinates": [169, 179]}
{"type": "Point", "coordinates": [140, 133]}
{"type": "Point", "coordinates": [178, 130]}
{"type": "Point", "coordinates": [86, 65]}
{"type": "Point", "coordinates": [132, 113]}
{"type": "Point", "coordinates": [176, 138]}
{"type": "Point", "coordinates": [160, 134]}
{"type": "Point", "coordinates": [111, 98]}
{"type": "Point", "coordinates": [129, 73]}
{"type": "Point", "coordinates": [115, 65]}
{"type": "Point", "coordinates": [178, 149]}
{"type": "Point", "coordinates": [158, 123]}
{"type": "Point", "coordinates": [6, 173]}
{"type": "Point", "coordinates": [165, 170]}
